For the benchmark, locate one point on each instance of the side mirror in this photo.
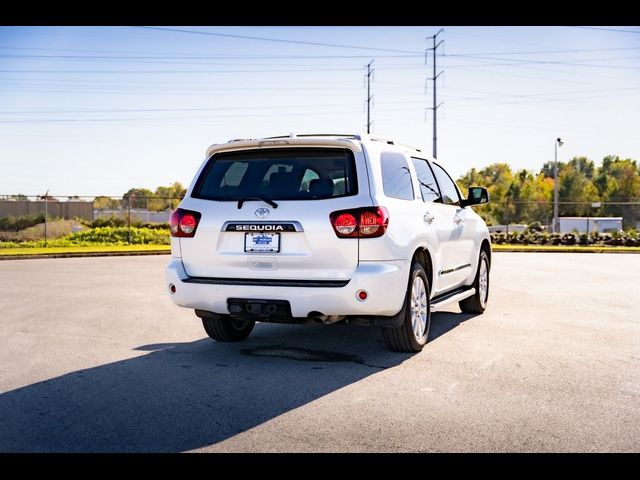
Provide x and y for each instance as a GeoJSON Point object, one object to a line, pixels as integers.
{"type": "Point", "coordinates": [477, 196]}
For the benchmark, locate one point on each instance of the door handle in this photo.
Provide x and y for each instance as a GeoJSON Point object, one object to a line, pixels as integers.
{"type": "Point", "coordinates": [458, 220]}
{"type": "Point", "coordinates": [428, 217]}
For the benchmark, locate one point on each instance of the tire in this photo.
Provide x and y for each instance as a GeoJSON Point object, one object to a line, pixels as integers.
{"type": "Point", "coordinates": [478, 302]}
{"type": "Point", "coordinates": [227, 329]}
{"type": "Point", "coordinates": [412, 335]}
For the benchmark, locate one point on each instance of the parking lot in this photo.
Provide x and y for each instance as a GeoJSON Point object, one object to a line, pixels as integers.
{"type": "Point", "coordinates": [95, 357]}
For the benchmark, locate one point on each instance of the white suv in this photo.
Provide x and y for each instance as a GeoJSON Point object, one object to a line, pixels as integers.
{"type": "Point", "coordinates": [326, 228]}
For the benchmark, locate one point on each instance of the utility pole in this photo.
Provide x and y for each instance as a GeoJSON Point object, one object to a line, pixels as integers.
{"type": "Point", "coordinates": [46, 215]}
{"type": "Point", "coordinates": [369, 97]}
{"type": "Point", "coordinates": [434, 78]}
{"type": "Point", "coordinates": [129, 219]}
{"type": "Point", "coordinates": [556, 221]}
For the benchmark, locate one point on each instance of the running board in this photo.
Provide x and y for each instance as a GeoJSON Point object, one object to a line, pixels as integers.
{"type": "Point", "coordinates": [460, 294]}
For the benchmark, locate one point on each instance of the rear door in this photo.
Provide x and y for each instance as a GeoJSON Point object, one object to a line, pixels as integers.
{"type": "Point", "coordinates": [437, 221]}
{"type": "Point", "coordinates": [458, 236]}
{"type": "Point", "coordinates": [242, 234]}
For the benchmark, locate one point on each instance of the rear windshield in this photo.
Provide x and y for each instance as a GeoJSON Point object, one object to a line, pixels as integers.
{"type": "Point", "coordinates": [279, 174]}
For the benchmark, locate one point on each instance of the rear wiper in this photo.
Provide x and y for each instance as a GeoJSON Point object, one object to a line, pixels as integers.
{"type": "Point", "coordinates": [241, 201]}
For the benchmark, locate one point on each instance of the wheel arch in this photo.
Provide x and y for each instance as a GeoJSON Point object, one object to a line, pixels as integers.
{"type": "Point", "coordinates": [486, 246]}
{"type": "Point", "coordinates": [423, 256]}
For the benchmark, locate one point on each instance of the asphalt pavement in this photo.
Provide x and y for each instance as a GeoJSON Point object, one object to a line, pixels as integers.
{"type": "Point", "coordinates": [95, 357]}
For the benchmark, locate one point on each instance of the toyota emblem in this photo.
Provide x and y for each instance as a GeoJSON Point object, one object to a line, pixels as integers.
{"type": "Point", "coordinates": [262, 212]}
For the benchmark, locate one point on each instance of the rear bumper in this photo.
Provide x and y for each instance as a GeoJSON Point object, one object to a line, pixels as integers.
{"type": "Point", "coordinates": [385, 283]}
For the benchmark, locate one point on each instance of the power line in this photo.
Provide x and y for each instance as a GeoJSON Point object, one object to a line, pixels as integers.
{"type": "Point", "coordinates": [199, 56]}
{"type": "Point", "coordinates": [280, 40]}
{"type": "Point", "coordinates": [151, 55]}
{"type": "Point", "coordinates": [605, 29]}
{"type": "Point", "coordinates": [548, 62]}
{"type": "Point", "coordinates": [185, 71]}
{"type": "Point", "coordinates": [536, 52]}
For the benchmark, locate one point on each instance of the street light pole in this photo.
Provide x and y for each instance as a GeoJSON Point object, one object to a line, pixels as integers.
{"type": "Point", "coordinates": [556, 221]}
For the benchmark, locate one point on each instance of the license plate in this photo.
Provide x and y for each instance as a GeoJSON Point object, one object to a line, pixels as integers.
{"type": "Point", "coordinates": [262, 242]}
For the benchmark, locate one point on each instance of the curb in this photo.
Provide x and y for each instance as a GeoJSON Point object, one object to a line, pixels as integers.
{"type": "Point", "coordinates": [545, 250]}
{"type": "Point", "coordinates": [84, 254]}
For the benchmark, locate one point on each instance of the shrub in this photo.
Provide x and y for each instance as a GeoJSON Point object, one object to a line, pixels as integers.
{"type": "Point", "coordinates": [555, 239]}
{"type": "Point", "coordinates": [535, 227]}
{"type": "Point", "coordinates": [111, 221]}
{"type": "Point", "coordinates": [14, 224]}
{"type": "Point", "coordinates": [120, 235]}
{"type": "Point", "coordinates": [568, 239]}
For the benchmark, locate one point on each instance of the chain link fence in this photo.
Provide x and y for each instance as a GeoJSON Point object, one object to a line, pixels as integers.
{"type": "Point", "coordinates": [45, 220]}
{"type": "Point", "coordinates": [508, 216]}
{"type": "Point", "coordinates": [29, 219]}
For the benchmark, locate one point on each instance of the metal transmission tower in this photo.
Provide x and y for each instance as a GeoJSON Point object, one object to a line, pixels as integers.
{"type": "Point", "coordinates": [434, 78]}
{"type": "Point", "coordinates": [369, 96]}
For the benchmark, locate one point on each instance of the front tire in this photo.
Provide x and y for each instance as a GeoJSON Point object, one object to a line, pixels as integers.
{"type": "Point", "coordinates": [478, 302]}
{"type": "Point", "coordinates": [223, 328]}
{"type": "Point", "coordinates": [412, 335]}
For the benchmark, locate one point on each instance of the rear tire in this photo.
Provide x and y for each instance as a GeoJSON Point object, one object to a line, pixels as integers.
{"type": "Point", "coordinates": [227, 329]}
{"type": "Point", "coordinates": [478, 302]}
{"type": "Point", "coordinates": [412, 335]}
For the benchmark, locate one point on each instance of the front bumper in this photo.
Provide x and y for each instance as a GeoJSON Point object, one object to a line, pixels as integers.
{"type": "Point", "coordinates": [385, 283]}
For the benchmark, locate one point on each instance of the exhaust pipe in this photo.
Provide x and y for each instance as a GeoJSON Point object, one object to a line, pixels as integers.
{"type": "Point", "coordinates": [325, 319]}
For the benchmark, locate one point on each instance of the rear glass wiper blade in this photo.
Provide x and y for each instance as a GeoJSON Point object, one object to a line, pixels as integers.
{"type": "Point", "coordinates": [265, 200]}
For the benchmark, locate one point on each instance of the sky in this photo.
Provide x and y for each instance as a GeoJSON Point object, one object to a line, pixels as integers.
{"type": "Point", "coordinates": [97, 110]}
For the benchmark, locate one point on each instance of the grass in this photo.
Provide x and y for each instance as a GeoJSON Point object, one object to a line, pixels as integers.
{"type": "Point", "coordinates": [82, 249]}
{"type": "Point", "coordinates": [166, 248]}
{"type": "Point", "coordinates": [563, 248]}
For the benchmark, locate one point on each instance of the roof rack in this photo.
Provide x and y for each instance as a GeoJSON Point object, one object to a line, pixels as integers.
{"type": "Point", "coordinates": [294, 135]}
{"type": "Point", "coordinates": [355, 136]}
{"type": "Point", "coordinates": [392, 142]}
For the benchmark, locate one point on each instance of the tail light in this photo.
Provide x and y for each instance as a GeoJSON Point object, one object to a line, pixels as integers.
{"type": "Point", "coordinates": [183, 223]}
{"type": "Point", "coordinates": [365, 222]}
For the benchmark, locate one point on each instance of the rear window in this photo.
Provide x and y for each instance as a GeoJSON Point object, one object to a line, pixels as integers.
{"type": "Point", "coordinates": [279, 174]}
{"type": "Point", "coordinates": [396, 177]}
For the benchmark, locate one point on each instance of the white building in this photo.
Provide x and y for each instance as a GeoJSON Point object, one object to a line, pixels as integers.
{"type": "Point", "coordinates": [590, 224]}
{"type": "Point", "coordinates": [507, 228]}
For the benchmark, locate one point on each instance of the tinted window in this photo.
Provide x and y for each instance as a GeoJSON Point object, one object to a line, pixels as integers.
{"type": "Point", "coordinates": [447, 187]}
{"type": "Point", "coordinates": [428, 185]}
{"type": "Point", "coordinates": [278, 174]}
{"type": "Point", "coordinates": [396, 177]}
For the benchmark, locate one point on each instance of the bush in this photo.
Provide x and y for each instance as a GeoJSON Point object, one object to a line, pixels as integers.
{"type": "Point", "coordinates": [568, 239]}
{"type": "Point", "coordinates": [111, 221]}
{"type": "Point", "coordinates": [535, 227]}
{"type": "Point", "coordinates": [14, 224]}
{"type": "Point", "coordinates": [116, 221]}
{"type": "Point", "coordinates": [154, 226]}
{"type": "Point", "coordinates": [584, 239]}
{"type": "Point", "coordinates": [120, 235]}
{"type": "Point", "coordinates": [627, 239]}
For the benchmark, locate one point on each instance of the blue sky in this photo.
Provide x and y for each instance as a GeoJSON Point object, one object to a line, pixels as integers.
{"type": "Point", "coordinates": [97, 110]}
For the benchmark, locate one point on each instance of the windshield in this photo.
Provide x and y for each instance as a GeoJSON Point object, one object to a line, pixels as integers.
{"type": "Point", "coordinates": [278, 174]}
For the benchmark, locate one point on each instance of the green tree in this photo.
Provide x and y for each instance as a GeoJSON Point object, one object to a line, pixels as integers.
{"type": "Point", "coordinates": [102, 203]}
{"type": "Point", "coordinates": [139, 197]}
{"type": "Point", "coordinates": [618, 180]}
{"type": "Point", "coordinates": [497, 178]}
{"type": "Point", "coordinates": [169, 197]}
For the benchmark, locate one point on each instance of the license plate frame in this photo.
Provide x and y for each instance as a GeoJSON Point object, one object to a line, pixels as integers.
{"type": "Point", "coordinates": [262, 242]}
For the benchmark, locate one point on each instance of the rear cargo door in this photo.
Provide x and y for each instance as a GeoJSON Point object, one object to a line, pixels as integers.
{"type": "Point", "coordinates": [265, 215]}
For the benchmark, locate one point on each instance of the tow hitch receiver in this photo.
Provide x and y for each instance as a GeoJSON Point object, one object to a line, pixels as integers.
{"type": "Point", "coordinates": [247, 308]}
